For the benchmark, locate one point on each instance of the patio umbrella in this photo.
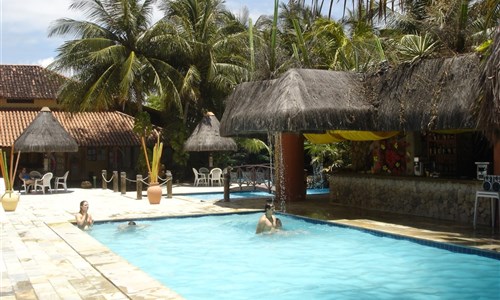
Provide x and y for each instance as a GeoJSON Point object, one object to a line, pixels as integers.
{"type": "Point", "coordinates": [206, 137]}
{"type": "Point", "coordinates": [45, 135]}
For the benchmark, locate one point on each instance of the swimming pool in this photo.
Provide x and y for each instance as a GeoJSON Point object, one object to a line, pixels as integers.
{"type": "Point", "coordinates": [220, 257]}
{"type": "Point", "coordinates": [245, 194]}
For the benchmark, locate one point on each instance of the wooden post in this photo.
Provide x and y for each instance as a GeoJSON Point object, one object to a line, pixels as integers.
{"type": "Point", "coordinates": [115, 181]}
{"type": "Point", "coordinates": [139, 186]}
{"type": "Point", "coordinates": [169, 184]}
{"type": "Point", "coordinates": [123, 182]}
{"type": "Point", "coordinates": [227, 182]}
{"type": "Point", "coordinates": [104, 178]}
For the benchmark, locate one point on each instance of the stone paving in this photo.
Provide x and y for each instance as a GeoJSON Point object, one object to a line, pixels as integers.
{"type": "Point", "coordinates": [44, 256]}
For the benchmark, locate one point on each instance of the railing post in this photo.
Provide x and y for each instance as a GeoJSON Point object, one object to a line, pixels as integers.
{"type": "Point", "coordinates": [104, 178]}
{"type": "Point", "coordinates": [169, 184]}
{"type": "Point", "coordinates": [227, 182]}
{"type": "Point", "coordinates": [123, 182]}
{"type": "Point", "coordinates": [115, 181]}
{"type": "Point", "coordinates": [139, 186]}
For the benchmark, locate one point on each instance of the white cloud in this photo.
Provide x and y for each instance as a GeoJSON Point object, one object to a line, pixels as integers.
{"type": "Point", "coordinates": [34, 15]}
{"type": "Point", "coordinates": [45, 62]}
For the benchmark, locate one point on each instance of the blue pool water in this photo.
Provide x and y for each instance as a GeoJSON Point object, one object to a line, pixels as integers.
{"type": "Point", "coordinates": [221, 257]}
{"type": "Point", "coordinates": [246, 194]}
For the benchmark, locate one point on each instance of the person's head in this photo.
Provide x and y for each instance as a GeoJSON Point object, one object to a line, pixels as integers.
{"type": "Point", "coordinates": [23, 170]}
{"type": "Point", "coordinates": [269, 207]}
{"type": "Point", "coordinates": [84, 206]}
{"type": "Point", "coordinates": [131, 223]}
{"type": "Point", "coordinates": [278, 223]}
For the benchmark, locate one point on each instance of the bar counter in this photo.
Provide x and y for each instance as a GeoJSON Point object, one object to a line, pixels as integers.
{"type": "Point", "coordinates": [440, 198]}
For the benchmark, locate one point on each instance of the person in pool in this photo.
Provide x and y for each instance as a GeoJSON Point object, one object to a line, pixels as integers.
{"type": "Point", "coordinates": [268, 222]}
{"type": "Point", "coordinates": [83, 218]}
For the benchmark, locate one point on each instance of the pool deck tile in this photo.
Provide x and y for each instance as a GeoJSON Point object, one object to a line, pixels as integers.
{"type": "Point", "coordinates": [44, 256]}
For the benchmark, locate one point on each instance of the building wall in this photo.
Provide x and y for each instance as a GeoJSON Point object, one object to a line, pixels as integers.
{"type": "Point", "coordinates": [438, 198]}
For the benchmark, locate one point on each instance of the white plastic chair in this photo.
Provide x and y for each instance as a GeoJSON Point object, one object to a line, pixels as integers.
{"type": "Point", "coordinates": [44, 182]}
{"type": "Point", "coordinates": [215, 176]}
{"type": "Point", "coordinates": [199, 178]}
{"type": "Point", "coordinates": [27, 184]}
{"type": "Point", "coordinates": [206, 172]}
{"type": "Point", "coordinates": [61, 181]}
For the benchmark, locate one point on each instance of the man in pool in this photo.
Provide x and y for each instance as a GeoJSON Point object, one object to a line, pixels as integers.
{"type": "Point", "coordinates": [267, 223]}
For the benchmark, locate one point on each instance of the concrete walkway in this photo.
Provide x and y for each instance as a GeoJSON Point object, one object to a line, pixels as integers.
{"type": "Point", "coordinates": [44, 256]}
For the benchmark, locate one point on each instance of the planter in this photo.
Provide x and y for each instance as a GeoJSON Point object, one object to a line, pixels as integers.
{"type": "Point", "coordinates": [154, 193]}
{"type": "Point", "coordinates": [10, 200]}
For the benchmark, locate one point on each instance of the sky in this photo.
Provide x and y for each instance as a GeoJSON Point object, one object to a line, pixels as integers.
{"type": "Point", "coordinates": [24, 26]}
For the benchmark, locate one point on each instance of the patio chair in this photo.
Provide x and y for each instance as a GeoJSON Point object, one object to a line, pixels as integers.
{"type": "Point", "coordinates": [215, 176]}
{"type": "Point", "coordinates": [35, 175]}
{"type": "Point", "coordinates": [61, 181]}
{"type": "Point", "coordinates": [27, 184]}
{"type": "Point", "coordinates": [44, 182]}
{"type": "Point", "coordinates": [199, 178]}
{"type": "Point", "coordinates": [205, 171]}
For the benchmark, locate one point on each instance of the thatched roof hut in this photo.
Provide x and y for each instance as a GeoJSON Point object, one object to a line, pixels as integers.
{"type": "Point", "coordinates": [302, 100]}
{"type": "Point", "coordinates": [45, 134]}
{"type": "Point", "coordinates": [426, 95]}
{"type": "Point", "coordinates": [489, 83]}
{"type": "Point", "coordinates": [206, 137]}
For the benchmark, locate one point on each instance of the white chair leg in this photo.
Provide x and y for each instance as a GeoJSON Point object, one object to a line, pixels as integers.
{"type": "Point", "coordinates": [475, 213]}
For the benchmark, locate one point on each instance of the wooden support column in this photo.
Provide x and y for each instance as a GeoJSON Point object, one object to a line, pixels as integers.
{"type": "Point", "coordinates": [290, 184]}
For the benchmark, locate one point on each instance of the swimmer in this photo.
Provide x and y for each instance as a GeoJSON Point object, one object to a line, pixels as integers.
{"type": "Point", "coordinates": [267, 222]}
{"type": "Point", "coordinates": [131, 225]}
{"type": "Point", "coordinates": [83, 219]}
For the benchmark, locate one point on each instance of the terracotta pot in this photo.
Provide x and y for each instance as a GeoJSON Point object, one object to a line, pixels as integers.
{"type": "Point", "coordinates": [10, 200]}
{"type": "Point", "coordinates": [154, 193]}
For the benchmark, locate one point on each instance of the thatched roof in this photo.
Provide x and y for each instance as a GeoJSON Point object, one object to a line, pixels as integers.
{"type": "Point", "coordinates": [302, 100]}
{"type": "Point", "coordinates": [45, 134]}
{"type": "Point", "coordinates": [489, 106]}
{"type": "Point", "coordinates": [430, 94]}
{"type": "Point", "coordinates": [206, 137]}
{"type": "Point", "coordinates": [426, 95]}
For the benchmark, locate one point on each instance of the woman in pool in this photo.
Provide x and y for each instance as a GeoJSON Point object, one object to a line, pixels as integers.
{"type": "Point", "coordinates": [83, 219]}
{"type": "Point", "coordinates": [268, 221]}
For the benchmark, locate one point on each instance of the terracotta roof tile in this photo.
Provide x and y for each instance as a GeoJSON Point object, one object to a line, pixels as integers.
{"type": "Point", "coordinates": [89, 129]}
{"type": "Point", "coordinates": [28, 82]}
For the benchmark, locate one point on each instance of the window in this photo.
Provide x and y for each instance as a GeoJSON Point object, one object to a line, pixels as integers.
{"type": "Point", "coordinates": [91, 154]}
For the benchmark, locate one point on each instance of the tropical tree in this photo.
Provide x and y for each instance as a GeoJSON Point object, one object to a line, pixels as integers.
{"type": "Point", "coordinates": [210, 46]}
{"type": "Point", "coordinates": [117, 56]}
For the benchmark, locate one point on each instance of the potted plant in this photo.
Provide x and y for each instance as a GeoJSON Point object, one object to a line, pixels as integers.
{"type": "Point", "coordinates": [143, 127]}
{"type": "Point", "coordinates": [9, 198]}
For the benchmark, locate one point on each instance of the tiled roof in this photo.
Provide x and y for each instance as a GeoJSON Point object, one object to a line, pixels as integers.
{"type": "Point", "coordinates": [28, 82]}
{"type": "Point", "coordinates": [89, 129]}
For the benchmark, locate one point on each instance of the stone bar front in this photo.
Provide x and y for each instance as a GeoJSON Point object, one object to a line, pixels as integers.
{"type": "Point", "coordinates": [440, 198]}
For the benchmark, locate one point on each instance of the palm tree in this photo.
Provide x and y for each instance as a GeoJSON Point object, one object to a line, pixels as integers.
{"type": "Point", "coordinates": [210, 46]}
{"type": "Point", "coordinates": [117, 56]}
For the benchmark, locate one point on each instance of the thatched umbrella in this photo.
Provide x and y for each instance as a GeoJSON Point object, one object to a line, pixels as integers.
{"type": "Point", "coordinates": [45, 135]}
{"type": "Point", "coordinates": [206, 137]}
{"type": "Point", "coordinates": [302, 100]}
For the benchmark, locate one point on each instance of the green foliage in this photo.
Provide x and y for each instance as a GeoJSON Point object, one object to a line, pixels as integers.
{"type": "Point", "coordinates": [142, 124]}
{"type": "Point", "coordinates": [413, 47]}
{"type": "Point", "coordinates": [330, 156]}
{"type": "Point", "coordinates": [116, 56]}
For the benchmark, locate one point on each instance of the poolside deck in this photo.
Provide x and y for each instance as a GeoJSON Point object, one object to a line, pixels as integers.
{"type": "Point", "coordinates": [44, 256]}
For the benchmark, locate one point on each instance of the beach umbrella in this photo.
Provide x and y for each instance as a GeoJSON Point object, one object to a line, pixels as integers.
{"type": "Point", "coordinates": [206, 137]}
